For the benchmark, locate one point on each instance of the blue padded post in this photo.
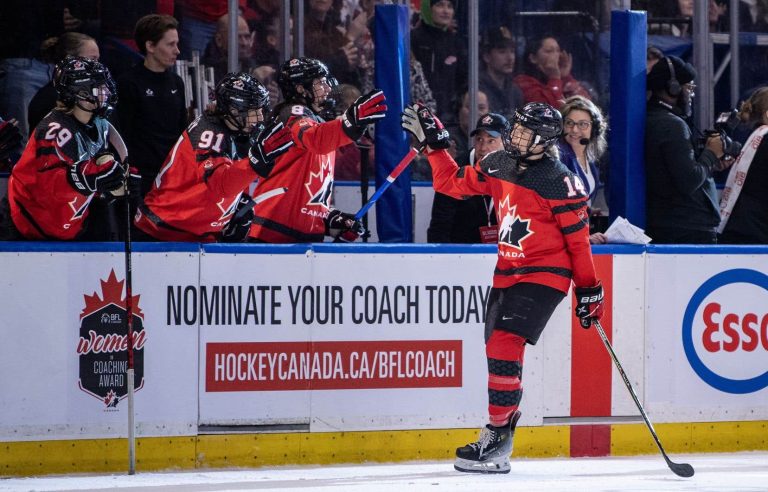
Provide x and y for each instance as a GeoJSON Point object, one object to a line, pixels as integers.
{"type": "Point", "coordinates": [627, 116]}
{"type": "Point", "coordinates": [394, 215]}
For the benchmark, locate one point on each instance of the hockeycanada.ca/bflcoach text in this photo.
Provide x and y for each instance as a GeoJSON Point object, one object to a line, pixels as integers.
{"type": "Point", "coordinates": [231, 369]}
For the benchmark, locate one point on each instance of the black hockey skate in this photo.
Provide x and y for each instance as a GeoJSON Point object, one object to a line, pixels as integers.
{"type": "Point", "coordinates": [490, 454]}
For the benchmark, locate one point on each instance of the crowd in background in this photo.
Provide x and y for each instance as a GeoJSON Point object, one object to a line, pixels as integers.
{"type": "Point", "coordinates": [521, 60]}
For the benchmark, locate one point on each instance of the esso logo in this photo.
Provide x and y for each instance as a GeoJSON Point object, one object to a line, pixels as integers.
{"type": "Point", "coordinates": [725, 331]}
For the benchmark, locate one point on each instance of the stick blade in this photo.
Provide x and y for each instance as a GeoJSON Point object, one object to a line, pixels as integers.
{"type": "Point", "coordinates": [681, 469]}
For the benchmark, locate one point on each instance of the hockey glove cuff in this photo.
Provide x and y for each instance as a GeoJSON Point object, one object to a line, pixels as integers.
{"type": "Point", "coordinates": [268, 144]}
{"type": "Point", "coordinates": [365, 110]}
{"type": "Point", "coordinates": [589, 304]}
{"type": "Point", "coordinates": [101, 174]}
{"type": "Point", "coordinates": [343, 227]}
{"type": "Point", "coordinates": [426, 128]}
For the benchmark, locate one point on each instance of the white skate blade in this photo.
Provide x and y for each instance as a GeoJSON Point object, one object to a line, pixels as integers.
{"type": "Point", "coordinates": [495, 465]}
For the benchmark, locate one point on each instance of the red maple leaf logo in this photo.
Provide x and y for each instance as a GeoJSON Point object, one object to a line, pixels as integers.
{"type": "Point", "coordinates": [112, 290]}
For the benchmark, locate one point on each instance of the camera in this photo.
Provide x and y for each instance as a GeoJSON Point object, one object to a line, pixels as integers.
{"type": "Point", "coordinates": [725, 124]}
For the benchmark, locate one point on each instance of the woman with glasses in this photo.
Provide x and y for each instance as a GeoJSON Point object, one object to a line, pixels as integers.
{"type": "Point", "coordinates": [581, 146]}
{"type": "Point", "coordinates": [583, 141]}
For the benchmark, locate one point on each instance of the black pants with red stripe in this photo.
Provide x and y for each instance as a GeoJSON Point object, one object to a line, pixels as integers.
{"type": "Point", "coordinates": [515, 316]}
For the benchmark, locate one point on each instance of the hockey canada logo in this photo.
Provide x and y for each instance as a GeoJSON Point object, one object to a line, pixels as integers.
{"type": "Point", "coordinates": [320, 185]}
{"type": "Point", "coordinates": [103, 344]}
{"type": "Point", "coordinates": [513, 229]}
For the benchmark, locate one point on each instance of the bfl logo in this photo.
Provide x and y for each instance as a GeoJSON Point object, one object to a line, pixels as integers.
{"type": "Point", "coordinates": [725, 331]}
{"type": "Point", "coordinates": [103, 344]}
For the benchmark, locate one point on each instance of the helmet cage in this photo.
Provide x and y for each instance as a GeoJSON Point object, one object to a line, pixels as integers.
{"type": "Point", "coordinates": [304, 72]}
{"type": "Point", "coordinates": [543, 120]}
{"type": "Point", "coordinates": [236, 95]}
{"type": "Point", "coordinates": [77, 80]}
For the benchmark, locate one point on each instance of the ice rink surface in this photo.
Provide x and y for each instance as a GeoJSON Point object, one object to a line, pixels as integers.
{"type": "Point", "coordinates": [714, 473]}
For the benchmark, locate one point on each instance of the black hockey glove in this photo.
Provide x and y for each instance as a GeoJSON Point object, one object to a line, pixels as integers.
{"type": "Point", "coordinates": [364, 111]}
{"type": "Point", "coordinates": [10, 139]}
{"type": "Point", "coordinates": [101, 174]}
{"type": "Point", "coordinates": [419, 121]}
{"type": "Point", "coordinates": [589, 304]}
{"type": "Point", "coordinates": [239, 225]}
{"type": "Point", "coordinates": [269, 143]}
{"type": "Point", "coordinates": [343, 227]}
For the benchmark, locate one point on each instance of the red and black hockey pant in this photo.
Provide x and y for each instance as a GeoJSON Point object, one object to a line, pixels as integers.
{"type": "Point", "coordinates": [515, 316]}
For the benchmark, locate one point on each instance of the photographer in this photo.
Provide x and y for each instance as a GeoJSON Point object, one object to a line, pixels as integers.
{"type": "Point", "coordinates": [681, 200]}
{"type": "Point", "coordinates": [743, 205]}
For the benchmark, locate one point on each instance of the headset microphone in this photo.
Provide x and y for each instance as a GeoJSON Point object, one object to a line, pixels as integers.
{"type": "Point", "coordinates": [584, 141]}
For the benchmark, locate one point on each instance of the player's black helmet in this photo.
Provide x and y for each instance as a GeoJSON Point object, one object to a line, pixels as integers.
{"type": "Point", "coordinates": [545, 121]}
{"type": "Point", "coordinates": [78, 79]}
{"type": "Point", "coordinates": [236, 94]}
{"type": "Point", "coordinates": [303, 72]}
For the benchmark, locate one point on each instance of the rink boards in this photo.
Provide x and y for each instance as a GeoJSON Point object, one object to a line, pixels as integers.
{"type": "Point", "coordinates": [253, 355]}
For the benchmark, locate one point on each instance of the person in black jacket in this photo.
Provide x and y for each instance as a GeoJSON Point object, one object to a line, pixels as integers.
{"type": "Point", "coordinates": [472, 220]}
{"type": "Point", "coordinates": [681, 200]}
{"type": "Point", "coordinates": [441, 53]}
{"type": "Point", "coordinates": [152, 111]}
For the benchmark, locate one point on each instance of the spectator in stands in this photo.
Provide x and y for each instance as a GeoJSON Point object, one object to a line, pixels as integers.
{"type": "Point", "coordinates": [743, 206]}
{"type": "Point", "coordinates": [198, 23]}
{"type": "Point", "coordinates": [471, 220]}
{"type": "Point", "coordinates": [324, 41]}
{"type": "Point", "coordinates": [216, 55]}
{"type": "Point", "coordinates": [118, 20]}
{"type": "Point", "coordinates": [440, 52]}
{"type": "Point", "coordinates": [496, 78]}
{"type": "Point", "coordinates": [200, 196]}
{"type": "Point", "coordinates": [152, 111]}
{"type": "Point", "coordinates": [265, 50]}
{"type": "Point", "coordinates": [460, 130]}
{"type": "Point", "coordinates": [681, 200]}
{"type": "Point", "coordinates": [24, 25]}
{"type": "Point", "coordinates": [305, 213]}
{"type": "Point", "coordinates": [581, 147]}
{"type": "Point", "coordinates": [546, 73]}
{"type": "Point", "coordinates": [54, 51]}
{"type": "Point", "coordinates": [216, 52]}
{"type": "Point", "coordinates": [69, 163]}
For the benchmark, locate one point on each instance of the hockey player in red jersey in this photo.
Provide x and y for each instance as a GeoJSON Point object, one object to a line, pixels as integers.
{"type": "Point", "coordinates": [305, 213]}
{"type": "Point", "coordinates": [543, 247]}
{"type": "Point", "coordinates": [200, 194]}
{"type": "Point", "coordinates": [69, 163]}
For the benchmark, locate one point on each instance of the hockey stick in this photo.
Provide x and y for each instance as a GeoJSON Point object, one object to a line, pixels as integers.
{"type": "Point", "coordinates": [679, 469]}
{"type": "Point", "coordinates": [390, 179]}
{"type": "Point", "coordinates": [117, 142]}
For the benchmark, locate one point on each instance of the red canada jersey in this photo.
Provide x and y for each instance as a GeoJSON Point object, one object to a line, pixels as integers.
{"type": "Point", "coordinates": [44, 205]}
{"type": "Point", "coordinates": [306, 170]}
{"type": "Point", "coordinates": [542, 215]}
{"type": "Point", "coordinates": [199, 184]}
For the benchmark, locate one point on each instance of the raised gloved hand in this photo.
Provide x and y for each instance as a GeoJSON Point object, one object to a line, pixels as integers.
{"type": "Point", "coordinates": [364, 111]}
{"type": "Point", "coordinates": [10, 139]}
{"type": "Point", "coordinates": [589, 304]}
{"type": "Point", "coordinates": [343, 227]}
{"type": "Point", "coordinates": [236, 231]}
{"type": "Point", "coordinates": [419, 121]}
{"type": "Point", "coordinates": [101, 174]}
{"type": "Point", "coordinates": [268, 143]}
